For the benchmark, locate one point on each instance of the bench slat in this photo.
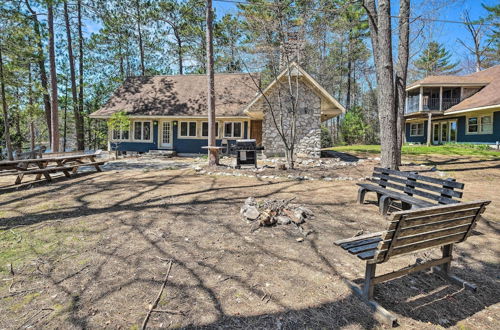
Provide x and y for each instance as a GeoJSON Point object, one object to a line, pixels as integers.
{"type": "Point", "coordinates": [438, 189]}
{"type": "Point", "coordinates": [347, 246]}
{"type": "Point", "coordinates": [409, 190]}
{"type": "Point", "coordinates": [396, 195]}
{"type": "Point", "coordinates": [356, 238]}
{"type": "Point", "coordinates": [363, 248]}
{"type": "Point", "coordinates": [366, 255]}
{"type": "Point", "coordinates": [412, 175]}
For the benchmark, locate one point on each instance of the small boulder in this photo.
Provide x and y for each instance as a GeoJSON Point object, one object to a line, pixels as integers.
{"type": "Point", "coordinates": [251, 213]}
{"type": "Point", "coordinates": [250, 201]}
{"type": "Point", "coordinates": [282, 220]}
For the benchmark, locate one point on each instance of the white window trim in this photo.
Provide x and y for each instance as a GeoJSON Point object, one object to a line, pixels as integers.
{"type": "Point", "coordinates": [119, 140]}
{"type": "Point", "coordinates": [187, 137]}
{"type": "Point", "coordinates": [233, 137]}
{"type": "Point", "coordinates": [217, 136]}
{"type": "Point", "coordinates": [150, 132]}
{"type": "Point", "coordinates": [479, 125]}
{"type": "Point", "coordinates": [423, 128]}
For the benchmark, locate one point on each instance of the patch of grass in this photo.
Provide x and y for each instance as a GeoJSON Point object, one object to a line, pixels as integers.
{"type": "Point", "coordinates": [19, 247]}
{"type": "Point", "coordinates": [447, 149]}
{"type": "Point", "coordinates": [25, 301]}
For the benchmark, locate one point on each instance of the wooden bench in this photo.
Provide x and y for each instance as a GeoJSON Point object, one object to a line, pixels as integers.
{"type": "Point", "coordinates": [410, 231]}
{"type": "Point", "coordinates": [391, 185]}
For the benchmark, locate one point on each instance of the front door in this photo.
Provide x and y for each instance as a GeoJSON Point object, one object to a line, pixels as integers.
{"type": "Point", "coordinates": [166, 134]}
{"type": "Point", "coordinates": [256, 131]}
{"type": "Point", "coordinates": [435, 133]}
{"type": "Point", "coordinates": [444, 132]}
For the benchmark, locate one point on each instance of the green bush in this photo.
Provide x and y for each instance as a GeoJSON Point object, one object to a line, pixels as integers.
{"type": "Point", "coordinates": [326, 138]}
{"type": "Point", "coordinates": [353, 127]}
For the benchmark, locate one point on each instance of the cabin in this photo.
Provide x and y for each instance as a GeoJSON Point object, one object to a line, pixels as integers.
{"type": "Point", "coordinates": [454, 109]}
{"type": "Point", "coordinates": [170, 112]}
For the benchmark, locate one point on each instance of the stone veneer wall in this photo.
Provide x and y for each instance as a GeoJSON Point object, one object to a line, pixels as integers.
{"type": "Point", "coordinates": [308, 137]}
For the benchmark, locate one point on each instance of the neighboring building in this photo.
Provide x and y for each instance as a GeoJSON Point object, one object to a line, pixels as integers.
{"type": "Point", "coordinates": [462, 109]}
{"type": "Point", "coordinates": [170, 112]}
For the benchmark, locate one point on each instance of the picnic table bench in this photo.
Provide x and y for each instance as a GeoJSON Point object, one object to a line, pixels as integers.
{"type": "Point", "coordinates": [402, 186]}
{"type": "Point", "coordinates": [42, 166]}
{"type": "Point", "coordinates": [410, 231]}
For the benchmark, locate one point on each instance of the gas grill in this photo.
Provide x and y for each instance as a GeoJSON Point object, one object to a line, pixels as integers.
{"type": "Point", "coordinates": [246, 152]}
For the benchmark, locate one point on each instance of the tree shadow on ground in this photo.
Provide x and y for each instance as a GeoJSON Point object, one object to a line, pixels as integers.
{"type": "Point", "coordinates": [341, 155]}
{"type": "Point", "coordinates": [125, 268]}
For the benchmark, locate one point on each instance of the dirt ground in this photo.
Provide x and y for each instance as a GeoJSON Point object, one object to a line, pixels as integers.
{"type": "Point", "coordinates": [92, 252]}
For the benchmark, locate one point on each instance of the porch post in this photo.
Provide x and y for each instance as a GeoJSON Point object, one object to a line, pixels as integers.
{"type": "Point", "coordinates": [441, 98]}
{"type": "Point", "coordinates": [429, 128]}
{"type": "Point", "coordinates": [421, 100]}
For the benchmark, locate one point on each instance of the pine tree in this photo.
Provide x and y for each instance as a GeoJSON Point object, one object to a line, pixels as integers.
{"type": "Point", "coordinates": [435, 60]}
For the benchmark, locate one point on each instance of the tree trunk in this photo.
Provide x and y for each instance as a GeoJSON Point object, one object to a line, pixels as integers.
{"type": "Point", "coordinates": [8, 144]}
{"type": "Point", "coordinates": [65, 116]}
{"type": "Point", "coordinates": [41, 66]}
{"type": "Point", "coordinates": [139, 32]}
{"type": "Point", "coordinates": [80, 129]}
{"type": "Point", "coordinates": [213, 155]}
{"type": "Point", "coordinates": [54, 116]}
{"type": "Point", "coordinates": [402, 72]}
{"type": "Point", "coordinates": [179, 53]}
{"type": "Point", "coordinates": [349, 74]}
{"type": "Point", "coordinates": [76, 112]}
{"type": "Point", "coordinates": [380, 30]}
{"type": "Point", "coordinates": [30, 103]}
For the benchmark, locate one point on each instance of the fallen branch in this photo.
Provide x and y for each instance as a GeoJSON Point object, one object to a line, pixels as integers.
{"type": "Point", "coordinates": [153, 305]}
{"type": "Point", "coordinates": [170, 311]}
{"type": "Point", "coordinates": [71, 275]}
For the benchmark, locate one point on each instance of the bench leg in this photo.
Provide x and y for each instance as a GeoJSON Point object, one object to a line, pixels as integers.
{"type": "Point", "coordinates": [383, 204]}
{"type": "Point", "coordinates": [444, 270]}
{"type": "Point", "coordinates": [361, 195]}
{"type": "Point", "coordinates": [368, 285]}
{"type": "Point", "coordinates": [366, 294]}
{"type": "Point", "coordinates": [19, 178]}
{"type": "Point", "coordinates": [98, 169]}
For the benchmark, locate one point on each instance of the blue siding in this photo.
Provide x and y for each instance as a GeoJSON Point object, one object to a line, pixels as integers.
{"type": "Point", "coordinates": [188, 146]}
{"type": "Point", "coordinates": [479, 138]}
{"type": "Point", "coordinates": [139, 146]}
{"type": "Point", "coordinates": [461, 129]}
{"type": "Point", "coordinates": [416, 139]}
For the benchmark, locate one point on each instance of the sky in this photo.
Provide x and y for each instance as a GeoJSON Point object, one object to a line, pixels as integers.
{"type": "Point", "coordinates": [442, 32]}
{"type": "Point", "coordinates": [445, 33]}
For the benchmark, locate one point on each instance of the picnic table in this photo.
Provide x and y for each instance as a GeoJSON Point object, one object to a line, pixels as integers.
{"type": "Point", "coordinates": [67, 164]}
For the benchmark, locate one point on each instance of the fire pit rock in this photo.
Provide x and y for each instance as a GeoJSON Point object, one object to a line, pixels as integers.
{"type": "Point", "coordinates": [274, 211]}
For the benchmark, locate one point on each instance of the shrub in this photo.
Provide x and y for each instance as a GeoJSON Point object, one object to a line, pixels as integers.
{"type": "Point", "coordinates": [326, 138]}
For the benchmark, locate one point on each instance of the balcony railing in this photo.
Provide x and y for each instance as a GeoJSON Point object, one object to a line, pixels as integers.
{"type": "Point", "coordinates": [430, 104]}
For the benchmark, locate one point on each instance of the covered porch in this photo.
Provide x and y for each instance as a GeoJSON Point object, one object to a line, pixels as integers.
{"type": "Point", "coordinates": [441, 98]}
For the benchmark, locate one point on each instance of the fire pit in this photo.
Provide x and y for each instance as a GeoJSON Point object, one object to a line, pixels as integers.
{"type": "Point", "coordinates": [276, 211]}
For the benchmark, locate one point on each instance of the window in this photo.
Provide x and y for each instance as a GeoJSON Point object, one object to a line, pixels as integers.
{"type": "Point", "coordinates": [417, 129]}
{"type": "Point", "coordinates": [232, 130]}
{"type": "Point", "coordinates": [142, 130]}
{"type": "Point", "coordinates": [486, 125]}
{"type": "Point", "coordinates": [188, 129]}
{"type": "Point", "coordinates": [120, 134]}
{"type": "Point", "coordinates": [204, 129]}
{"type": "Point", "coordinates": [480, 125]}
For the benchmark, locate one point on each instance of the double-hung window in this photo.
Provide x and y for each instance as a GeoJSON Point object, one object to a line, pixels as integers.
{"type": "Point", "coordinates": [480, 125]}
{"type": "Point", "coordinates": [417, 129]}
{"type": "Point", "coordinates": [233, 129]}
{"type": "Point", "coordinates": [204, 129]}
{"type": "Point", "coordinates": [187, 129]}
{"type": "Point", "coordinates": [120, 134]}
{"type": "Point", "coordinates": [142, 131]}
